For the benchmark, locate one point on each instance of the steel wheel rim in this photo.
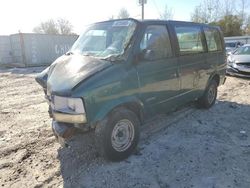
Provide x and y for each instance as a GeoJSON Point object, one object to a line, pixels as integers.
{"type": "Point", "coordinates": [211, 94]}
{"type": "Point", "coordinates": [122, 135]}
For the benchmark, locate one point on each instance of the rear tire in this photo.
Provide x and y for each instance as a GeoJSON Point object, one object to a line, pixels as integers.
{"type": "Point", "coordinates": [117, 137]}
{"type": "Point", "coordinates": [209, 97]}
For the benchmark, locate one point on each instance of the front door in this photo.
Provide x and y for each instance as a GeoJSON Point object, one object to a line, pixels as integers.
{"type": "Point", "coordinates": [157, 70]}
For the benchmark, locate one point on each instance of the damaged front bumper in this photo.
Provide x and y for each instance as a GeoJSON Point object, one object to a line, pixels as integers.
{"type": "Point", "coordinates": [62, 132]}
{"type": "Point", "coordinates": [65, 125]}
{"type": "Point", "coordinates": [66, 120]}
{"type": "Point", "coordinates": [69, 118]}
{"type": "Point", "coordinates": [238, 71]}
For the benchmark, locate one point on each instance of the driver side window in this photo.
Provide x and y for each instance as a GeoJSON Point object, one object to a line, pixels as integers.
{"type": "Point", "coordinates": [156, 41]}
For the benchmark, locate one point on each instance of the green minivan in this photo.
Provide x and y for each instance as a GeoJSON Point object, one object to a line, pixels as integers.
{"type": "Point", "coordinates": [120, 73]}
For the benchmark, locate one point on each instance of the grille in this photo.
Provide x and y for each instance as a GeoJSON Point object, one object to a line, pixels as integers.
{"type": "Point", "coordinates": [244, 64]}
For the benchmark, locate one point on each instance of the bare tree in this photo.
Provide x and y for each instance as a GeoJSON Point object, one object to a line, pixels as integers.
{"type": "Point", "coordinates": [64, 26]}
{"type": "Point", "coordinates": [228, 8]}
{"type": "Point", "coordinates": [167, 14]}
{"type": "Point", "coordinates": [123, 13]}
{"type": "Point", "coordinates": [198, 15]}
{"type": "Point", "coordinates": [243, 4]}
{"type": "Point", "coordinates": [60, 26]}
{"type": "Point", "coordinates": [206, 12]}
{"type": "Point", "coordinates": [246, 29]}
{"type": "Point", "coordinates": [230, 15]}
{"type": "Point", "coordinates": [47, 27]}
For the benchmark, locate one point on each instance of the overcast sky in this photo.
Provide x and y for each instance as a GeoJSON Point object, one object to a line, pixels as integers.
{"type": "Point", "coordinates": [24, 15]}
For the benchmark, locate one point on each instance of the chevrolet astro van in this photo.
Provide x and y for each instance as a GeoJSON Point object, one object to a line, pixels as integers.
{"type": "Point", "coordinates": [120, 73]}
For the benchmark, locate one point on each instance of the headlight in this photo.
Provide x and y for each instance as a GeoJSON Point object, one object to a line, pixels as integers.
{"type": "Point", "coordinates": [230, 62]}
{"type": "Point", "coordinates": [68, 105]}
{"type": "Point", "coordinates": [234, 64]}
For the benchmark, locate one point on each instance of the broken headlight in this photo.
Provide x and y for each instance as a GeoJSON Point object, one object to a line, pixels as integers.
{"type": "Point", "coordinates": [68, 105]}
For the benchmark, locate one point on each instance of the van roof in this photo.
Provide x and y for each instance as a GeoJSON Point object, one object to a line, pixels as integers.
{"type": "Point", "coordinates": [173, 21]}
{"type": "Point", "coordinates": [151, 21]}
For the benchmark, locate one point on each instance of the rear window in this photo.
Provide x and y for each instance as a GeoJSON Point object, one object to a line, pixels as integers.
{"type": "Point", "coordinates": [213, 39]}
{"type": "Point", "coordinates": [189, 39]}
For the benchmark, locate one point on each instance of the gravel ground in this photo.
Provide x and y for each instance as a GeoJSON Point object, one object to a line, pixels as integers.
{"type": "Point", "coordinates": [188, 148]}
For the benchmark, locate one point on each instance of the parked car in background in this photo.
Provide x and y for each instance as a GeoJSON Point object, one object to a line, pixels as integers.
{"type": "Point", "coordinates": [238, 63]}
{"type": "Point", "coordinates": [120, 73]}
{"type": "Point", "coordinates": [232, 46]}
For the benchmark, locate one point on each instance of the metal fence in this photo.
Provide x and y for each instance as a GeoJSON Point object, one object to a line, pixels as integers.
{"type": "Point", "coordinates": [23, 49]}
{"type": "Point", "coordinates": [5, 50]}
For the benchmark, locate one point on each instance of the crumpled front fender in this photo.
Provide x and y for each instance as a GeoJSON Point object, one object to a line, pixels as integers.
{"type": "Point", "coordinates": [42, 77]}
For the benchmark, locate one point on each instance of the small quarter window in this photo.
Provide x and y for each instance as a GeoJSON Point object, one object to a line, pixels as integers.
{"type": "Point", "coordinates": [213, 39]}
{"type": "Point", "coordinates": [189, 39]}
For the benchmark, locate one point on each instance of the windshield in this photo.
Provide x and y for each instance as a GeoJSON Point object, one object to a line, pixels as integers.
{"type": "Point", "coordinates": [105, 39]}
{"type": "Point", "coordinates": [244, 50]}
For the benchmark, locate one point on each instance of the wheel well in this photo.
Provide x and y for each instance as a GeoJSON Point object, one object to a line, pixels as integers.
{"type": "Point", "coordinates": [216, 78]}
{"type": "Point", "coordinates": [134, 107]}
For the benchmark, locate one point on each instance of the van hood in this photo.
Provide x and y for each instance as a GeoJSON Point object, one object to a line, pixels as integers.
{"type": "Point", "coordinates": [67, 71]}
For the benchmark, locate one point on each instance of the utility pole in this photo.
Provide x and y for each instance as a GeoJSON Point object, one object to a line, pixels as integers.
{"type": "Point", "coordinates": [142, 2]}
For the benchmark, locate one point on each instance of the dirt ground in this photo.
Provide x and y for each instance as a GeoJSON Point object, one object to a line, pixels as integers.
{"type": "Point", "coordinates": [188, 148]}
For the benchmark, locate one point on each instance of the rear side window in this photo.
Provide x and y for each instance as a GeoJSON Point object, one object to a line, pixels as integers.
{"type": "Point", "coordinates": [213, 39]}
{"type": "Point", "coordinates": [189, 39]}
{"type": "Point", "coordinates": [157, 40]}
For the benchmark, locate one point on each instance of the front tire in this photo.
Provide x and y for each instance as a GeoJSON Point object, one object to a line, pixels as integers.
{"type": "Point", "coordinates": [209, 97]}
{"type": "Point", "coordinates": [117, 137]}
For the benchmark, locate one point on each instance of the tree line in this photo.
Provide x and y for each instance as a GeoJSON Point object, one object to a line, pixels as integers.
{"type": "Point", "coordinates": [51, 26]}
{"type": "Point", "coordinates": [64, 27]}
{"type": "Point", "coordinates": [230, 15]}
